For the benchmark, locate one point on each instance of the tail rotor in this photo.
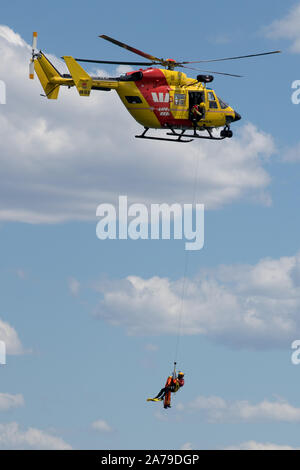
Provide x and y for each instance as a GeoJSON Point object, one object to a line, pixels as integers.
{"type": "Point", "coordinates": [34, 55]}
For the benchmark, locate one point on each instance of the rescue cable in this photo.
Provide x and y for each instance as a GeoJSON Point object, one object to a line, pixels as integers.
{"type": "Point", "coordinates": [186, 263]}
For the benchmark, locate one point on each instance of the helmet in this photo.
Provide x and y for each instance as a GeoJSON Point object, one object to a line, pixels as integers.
{"type": "Point", "coordinates": [180, 374]}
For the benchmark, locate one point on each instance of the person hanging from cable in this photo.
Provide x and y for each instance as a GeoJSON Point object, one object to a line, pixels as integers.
{"type": "Point", "coordinates": [173, 384]}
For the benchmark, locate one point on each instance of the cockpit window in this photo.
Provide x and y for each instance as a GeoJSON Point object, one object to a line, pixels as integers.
{"type": "Point", "coordinates": [212, 100]}
{"type": "Point", "coordinates": [223, 104]}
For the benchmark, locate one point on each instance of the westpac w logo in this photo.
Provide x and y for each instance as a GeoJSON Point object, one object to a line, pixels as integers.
{"type": "Point", "coordinates": [160, 97]}
{"type": "Point", "coordinates": [2, 92]}
{"type": "Point", "coordinates": [2, 353]}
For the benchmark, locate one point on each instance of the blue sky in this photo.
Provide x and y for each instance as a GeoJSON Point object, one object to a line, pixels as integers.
{"type": "Point", "coordinates": [88, 323]}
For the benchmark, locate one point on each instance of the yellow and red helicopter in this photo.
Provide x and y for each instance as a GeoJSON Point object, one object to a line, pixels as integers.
{"type": "Point", "coordinates": [157, 98]}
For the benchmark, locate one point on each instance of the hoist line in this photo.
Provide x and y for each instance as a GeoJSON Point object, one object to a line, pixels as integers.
{"type": "Point", "coordinates": [186, 263]}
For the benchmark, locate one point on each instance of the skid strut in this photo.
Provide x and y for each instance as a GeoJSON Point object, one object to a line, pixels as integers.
{"type": "Point", "coordinates": [195, 135]}
{"type": "Point", "coordinates": [178, 139]}
{"type": "Point", "coordinates": [185, 138]}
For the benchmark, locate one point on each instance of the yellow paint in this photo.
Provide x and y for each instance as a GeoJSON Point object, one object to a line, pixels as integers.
{"type": "Point", "coordinates": [141, 112]}
{"type": "Point", "coordinates": [81, 78]}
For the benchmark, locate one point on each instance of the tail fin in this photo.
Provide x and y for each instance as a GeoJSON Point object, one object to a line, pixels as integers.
{"type": "Point", "coordinates": [47, 74]}
{"type": "Point", "coordinates": [81, 78]}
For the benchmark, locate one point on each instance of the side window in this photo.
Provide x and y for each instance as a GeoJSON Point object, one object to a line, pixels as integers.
{"type": "Point", "coordinates": [179, 99]}
{"type": "Point", "coordinates": [212, 100]}
{"type": "Point", "coordinates": [133, 99]}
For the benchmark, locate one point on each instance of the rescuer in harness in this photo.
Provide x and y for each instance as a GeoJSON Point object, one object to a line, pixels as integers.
{"type": "Point", "coordinates": [173, 384]}
{"type": "Point", "coordinates": [197, 113]}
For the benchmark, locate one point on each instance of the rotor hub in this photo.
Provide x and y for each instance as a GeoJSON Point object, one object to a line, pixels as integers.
{"type": "Point", "coordinates": [170, 63]}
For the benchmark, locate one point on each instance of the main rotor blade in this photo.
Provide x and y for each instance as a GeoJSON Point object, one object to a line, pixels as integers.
{"type": "Point", "coordinates": [231, 58]}
{"type": "Point", "coordinates": [132, 49]}
{"type": "Point", "coordinates": [114, 62]}
{"type": "Point", "coordinates": [215, 73]}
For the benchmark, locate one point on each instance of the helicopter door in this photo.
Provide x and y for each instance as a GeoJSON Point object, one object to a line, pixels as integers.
{"type": "Point", "coordinates": [179, 103]}
{"type": "Point", "coordinates": [213, 110]}
{"type": "Point", "coordinates": [195, 97]}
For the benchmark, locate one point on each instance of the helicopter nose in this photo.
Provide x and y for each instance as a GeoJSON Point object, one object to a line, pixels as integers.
{"type": "Point", "coordinates": [237, 117]}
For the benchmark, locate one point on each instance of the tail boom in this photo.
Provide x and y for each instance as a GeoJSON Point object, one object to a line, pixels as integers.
{"type": "Point", "coordinates": [51, 79]}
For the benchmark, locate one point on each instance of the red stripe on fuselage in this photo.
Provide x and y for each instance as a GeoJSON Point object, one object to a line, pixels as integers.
{"type": "Point", "coordinates": [156, 91]}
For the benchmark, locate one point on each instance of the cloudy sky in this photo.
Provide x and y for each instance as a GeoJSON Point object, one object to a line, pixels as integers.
{"type": "Point", "coordinates": [90, 326]}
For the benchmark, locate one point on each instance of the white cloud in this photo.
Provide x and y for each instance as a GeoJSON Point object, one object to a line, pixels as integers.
{"type": "Point", "coordinates": [287, 27]}
{"type": "Point", "coordinates": [12, 437]}
{"type": "Point", "coordinates": [161, 416]}
{"type": "Point", "coordinates": [122, 69]}
{"type": "Point", "coordinates": [101, 426]}
{"type": "Point", "coordinates": [21, 273]}
{"type": "Point", "coordinates": [151, 347]}
{"type": "Point", "coordinates": [8, 401]}
{"type": "Point", "coordinates": [60, 159]}
{"type": "Point", "coordinates": [252, 306]}
{"type": "Point", "coordinates": [186, 446]}
{"type": "Point", "coordinates": [74, 286]}
{"type": "Point", "coordinates": [11, 37]}
{"type": "Point", "coordinates": [253, 445]}
{"type": "Point", "coordinates": [216, 409]}
{"type": "Point", "coordinates": [220, 39]}
{"type": "Point", "coordinates": [292, 155]}
{"type": "Point", "coordinates": [11, 339]}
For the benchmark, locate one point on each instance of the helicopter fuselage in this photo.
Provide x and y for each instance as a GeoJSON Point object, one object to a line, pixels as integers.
{"type": "Point", "coordinates": [156, 98]}
{"type": "Point", "coordinates": [162, 98]}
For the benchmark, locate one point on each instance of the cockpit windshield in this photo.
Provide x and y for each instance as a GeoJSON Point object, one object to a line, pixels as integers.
{"type": "Point", "coordinates": [222, 103]}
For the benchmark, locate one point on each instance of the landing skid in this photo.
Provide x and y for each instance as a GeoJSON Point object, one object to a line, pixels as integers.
{"type": "Point", "coordinates": [197, 136]}
{"type": "Point", "coordinates": [180, 136]}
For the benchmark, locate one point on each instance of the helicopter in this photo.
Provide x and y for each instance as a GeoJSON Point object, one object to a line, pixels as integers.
{"type": "Point", "coordinates": [157, 98]}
